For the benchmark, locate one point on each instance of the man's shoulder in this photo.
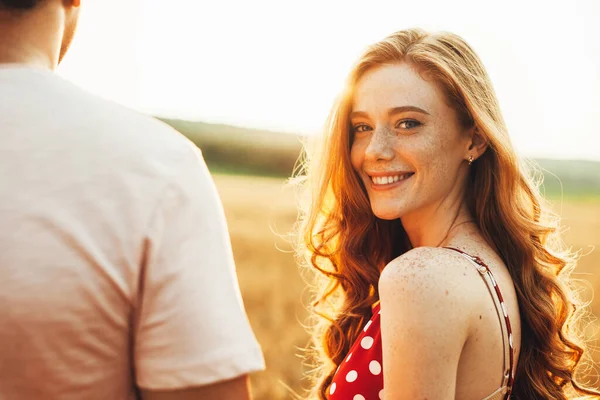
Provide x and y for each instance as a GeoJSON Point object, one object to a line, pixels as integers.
{"type": "Point", "coordinates": [88, 132]}
{"type": "Point", "coordinates": [74, 112]}
{"type": "Point", "coordinates": [126, 134]}
{"type": "Point", "coordinates": [146, 131]}
{"type": "Point", "coordinates": [135, 140]}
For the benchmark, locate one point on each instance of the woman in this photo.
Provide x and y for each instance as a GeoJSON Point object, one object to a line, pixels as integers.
{"type": "Point", "coordinates": [440, 258]}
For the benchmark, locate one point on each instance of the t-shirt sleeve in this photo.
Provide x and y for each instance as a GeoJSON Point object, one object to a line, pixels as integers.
{"type": "Point", "coordinates": [191, 329]}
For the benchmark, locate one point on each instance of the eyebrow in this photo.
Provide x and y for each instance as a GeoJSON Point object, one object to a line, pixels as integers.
{"type": "Point", "coordinates": [391, 111]}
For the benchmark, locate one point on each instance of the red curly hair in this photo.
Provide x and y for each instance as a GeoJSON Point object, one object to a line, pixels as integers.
{"type": "Point", "coordinates": [349, 246]}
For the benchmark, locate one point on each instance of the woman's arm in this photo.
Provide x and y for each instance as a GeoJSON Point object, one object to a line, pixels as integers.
{"type": "Point", "coordinates": [425, 318]}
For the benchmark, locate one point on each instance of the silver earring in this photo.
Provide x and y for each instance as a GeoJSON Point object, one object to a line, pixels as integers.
{"type": "Point", "coordinates": [470, 159]}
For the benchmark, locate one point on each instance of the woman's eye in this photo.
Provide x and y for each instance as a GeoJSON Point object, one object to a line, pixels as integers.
{"type": "Point", "coordinates": [361, 128]}
{"type": "Point", "coordinates": [408, 124]}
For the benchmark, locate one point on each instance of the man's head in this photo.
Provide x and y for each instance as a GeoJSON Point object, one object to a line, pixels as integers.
{"type": "Point", "coordinates": [42, 27]}
{"type": "Point", "coordinates": [18, 4]}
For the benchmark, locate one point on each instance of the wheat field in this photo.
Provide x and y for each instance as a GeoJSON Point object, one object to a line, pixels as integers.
{"type": "Point", "coordinates": [260, 210]}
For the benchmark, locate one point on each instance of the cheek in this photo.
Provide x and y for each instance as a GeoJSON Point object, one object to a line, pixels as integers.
{"type": "Point", "coordinates": [439, 160]}
{"type": "Point", "coordinates": [426, 153]}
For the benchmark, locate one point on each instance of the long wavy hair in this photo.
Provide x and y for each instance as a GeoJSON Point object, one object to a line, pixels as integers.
{"type": "Point", "coordinates": [348, 246]}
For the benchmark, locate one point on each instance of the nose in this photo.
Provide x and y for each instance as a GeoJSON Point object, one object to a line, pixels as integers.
{"type": "Point", "coordinates": [380, 146]}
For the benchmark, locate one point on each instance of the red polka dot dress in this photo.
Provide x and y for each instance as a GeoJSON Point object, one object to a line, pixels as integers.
{"type": "Point", "coordinates": [360, 375]}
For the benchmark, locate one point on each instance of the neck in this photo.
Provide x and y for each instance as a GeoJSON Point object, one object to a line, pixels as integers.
{"type": "Point", "coordinates": [431, 226]}
{"type": "Point", "coordinates": [32, 38]}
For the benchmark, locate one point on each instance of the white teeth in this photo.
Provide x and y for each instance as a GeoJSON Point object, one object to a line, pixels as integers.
{"type": "Point", "coordinates": [385, 180]}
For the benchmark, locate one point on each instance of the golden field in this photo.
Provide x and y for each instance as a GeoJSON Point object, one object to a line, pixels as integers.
{"type": "Point", "coordinates": [259, 210]}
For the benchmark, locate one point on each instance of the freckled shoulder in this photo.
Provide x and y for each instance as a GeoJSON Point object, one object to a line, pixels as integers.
{"type": "Point", "coordinates": [427, 294]}
{"type": "Point", "coordinates": [425, 261]}
{"type": "Point", "coordinates": [434, 278]}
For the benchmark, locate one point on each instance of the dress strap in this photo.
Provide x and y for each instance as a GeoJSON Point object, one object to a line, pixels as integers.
{"type": "Point", "coordinates": [507, 336]}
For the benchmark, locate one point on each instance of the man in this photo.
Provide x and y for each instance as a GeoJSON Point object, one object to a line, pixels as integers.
{"type": "Point", "coordinates": [117, 279]}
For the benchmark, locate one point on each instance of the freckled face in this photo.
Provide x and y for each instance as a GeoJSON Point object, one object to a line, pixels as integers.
{"type": "Point", "coordinates": [408, 145]}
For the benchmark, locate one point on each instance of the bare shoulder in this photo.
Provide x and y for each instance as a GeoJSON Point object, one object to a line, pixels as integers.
{"type": "Point", "coordinates": [434, 278]}
{"type": "Point", "coordinates": [427, 293]}
{"type": "Point", "coordinates": [431, 264]}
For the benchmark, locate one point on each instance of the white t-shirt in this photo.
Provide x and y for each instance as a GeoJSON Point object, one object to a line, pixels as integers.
{"type": "Point", "coordinates": [115, 263]}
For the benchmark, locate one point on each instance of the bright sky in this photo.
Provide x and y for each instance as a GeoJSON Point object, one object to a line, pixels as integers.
{"type": "Point", "coordinates": [278, 65]}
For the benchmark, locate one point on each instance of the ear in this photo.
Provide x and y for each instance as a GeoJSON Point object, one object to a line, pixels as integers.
{"type": "Point", "coordinates": [477, 144]}
{"type": "Point", "coordinates": [72, 3]}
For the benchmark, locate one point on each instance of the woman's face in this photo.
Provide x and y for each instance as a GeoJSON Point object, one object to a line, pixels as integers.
{"type": "Point", "coordinates": [408, 147]}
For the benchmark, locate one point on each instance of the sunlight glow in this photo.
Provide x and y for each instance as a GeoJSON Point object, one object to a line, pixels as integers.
{"type": "Point", "coordinates": [279, 65]}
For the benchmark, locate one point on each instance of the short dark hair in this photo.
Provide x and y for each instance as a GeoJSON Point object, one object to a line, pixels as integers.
{"type": "Point", "coordinates": [19, 4]}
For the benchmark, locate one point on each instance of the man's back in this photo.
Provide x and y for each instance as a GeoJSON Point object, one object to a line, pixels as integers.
{"type": "Point", "coordinates": [111, 271]}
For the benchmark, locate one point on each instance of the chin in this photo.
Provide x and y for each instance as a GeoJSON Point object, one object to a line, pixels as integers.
{"type": "Point", "coordinates": [386, 213]}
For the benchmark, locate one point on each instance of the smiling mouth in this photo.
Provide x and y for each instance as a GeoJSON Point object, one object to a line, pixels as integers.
{"type": "Point", "coordinates": [390, 179]}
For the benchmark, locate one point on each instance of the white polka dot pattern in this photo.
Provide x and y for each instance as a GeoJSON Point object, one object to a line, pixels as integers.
{"type": "Point", "coordinates": [359, 375]}
{"type": "Point", "coordinates": [351, 376]}
{"type": "Point", "coordinates": [366, 342]}
{"type": "Point", "coordinates": [375, 367]}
